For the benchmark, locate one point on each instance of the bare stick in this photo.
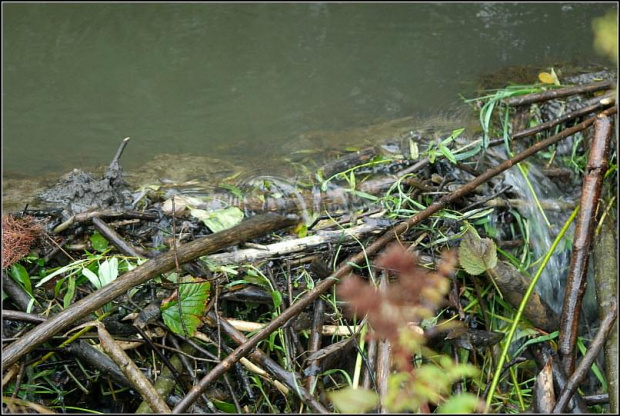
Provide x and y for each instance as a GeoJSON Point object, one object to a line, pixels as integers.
{"type": "Point", "coordinates": [115, 239]}
{"type": "Point", "coordinates": [119, 152]}
{"type": "Point", "coordinates": [251, 228]}
{"type": "Point", "coordinates": [561, 92]}
{"type": "Point", "coordinates": [576, 281]}
{"type": "Point", "coordinates": [584, 366]}
{"type": "Point", "coordinates": [345, 267]}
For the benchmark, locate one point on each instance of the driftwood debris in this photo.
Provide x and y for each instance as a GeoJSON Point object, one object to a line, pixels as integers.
{"type": "Point", "coordinates": [251, 228]}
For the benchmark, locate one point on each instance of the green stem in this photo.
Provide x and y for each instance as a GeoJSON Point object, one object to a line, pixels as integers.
{"type": "Point", "coordinates": [526, 297]}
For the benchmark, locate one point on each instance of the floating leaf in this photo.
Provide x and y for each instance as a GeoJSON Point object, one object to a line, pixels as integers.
{"type": "Point", "coordinates": [477, 255]}
{"type": "Point", "coordinates": [350, 400]}
{"type": "Point", "coordinates": [99, 242]}
{"type": "Point", "coordinates": [219, 220]}
{"type": "Point", "coordinates": [192, 295]}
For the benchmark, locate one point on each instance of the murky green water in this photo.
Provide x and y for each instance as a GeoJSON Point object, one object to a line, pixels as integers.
{"type": "Point", "coordinates": [249, 81]}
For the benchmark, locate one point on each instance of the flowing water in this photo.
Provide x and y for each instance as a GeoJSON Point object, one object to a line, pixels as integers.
{"type": "Point", "coordinates": [251, 83]}
{"type": "Point", "coordinates": [544, 226]}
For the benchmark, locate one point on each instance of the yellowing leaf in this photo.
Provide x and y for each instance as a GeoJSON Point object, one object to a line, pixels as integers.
{"type": "Point", "coordinates": [193, 296]}
{"type": "Point", "coordinates": [350, 400]}
{"type": "Point", "coordinates": [546, 78]}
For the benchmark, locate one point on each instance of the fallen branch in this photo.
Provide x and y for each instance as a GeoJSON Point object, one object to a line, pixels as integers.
{"type": "Point", "coordinates": [251, 255]}
{"type": "Point", "coordinates": [371, 250]}
{"type": "Point", "coordinates": [248, 229]}
{"type": "Point", "coordinates": [576, 281]}
{"type": "Point", "coordinates": [558, 93]}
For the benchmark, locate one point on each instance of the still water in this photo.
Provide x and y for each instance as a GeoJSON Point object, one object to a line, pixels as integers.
{"type": "Point", "coordinates": [247, 81]}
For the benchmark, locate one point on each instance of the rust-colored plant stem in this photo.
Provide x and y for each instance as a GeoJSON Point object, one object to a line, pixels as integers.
{"type": "Point", "coordinates": [577, 282]}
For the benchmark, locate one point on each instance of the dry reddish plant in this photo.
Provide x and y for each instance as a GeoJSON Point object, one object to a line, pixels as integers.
{"type": "Point", "coordinates": [415, 295]}
{"type": "Point", "coordinates": [18, 236]}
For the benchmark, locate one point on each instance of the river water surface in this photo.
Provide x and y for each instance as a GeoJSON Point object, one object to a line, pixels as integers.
{"type": "Point", "coordinates": [247, 82]}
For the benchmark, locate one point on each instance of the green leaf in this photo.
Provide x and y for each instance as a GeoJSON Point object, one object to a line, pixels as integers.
{"type": "Point", "coordinates": [68, 298]}
{"type": "Point", "coordinates": [477, 255]}
{"type": "Point", "coordinates": [277, 298]}
{"type": "Point", "coordinates": [350, 400]}
{"type": "Point", "coordinates": [225, 406]}
{"type": "Point", "coordinates": [20, 275]}
{"type": "Point", "coordinates": [60, 271]}
{"type": "Point", "coordinates": [447, 153]}
{"type": "Point", "coordinates": [219, 220]}
{"type": "Point", "coordinates": [462, 403]}
{"type": "Point", "coordinates": [92, 277]}
{"type": "Point", "coordinates": [192, 295]}
{"type": "Point", "coordinates": [99, 242]}
{"type": "Point", "coordinates": [108, 271]}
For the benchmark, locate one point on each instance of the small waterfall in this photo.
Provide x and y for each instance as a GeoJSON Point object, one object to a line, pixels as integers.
{"type": "Point", "coordinates": [552, 281]}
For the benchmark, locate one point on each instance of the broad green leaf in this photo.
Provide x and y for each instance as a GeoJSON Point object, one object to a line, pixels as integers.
{"type": "Point", "coordinates": [477, 255]}
{"type": "Point", "coordinates": [193, 296]}
{"type": "Point", "coordinates": [92, 277]}
{"type": "Point", "coordinates": [461, 403]}
{"type": "Point", "coordinates": [219, 220]}
{"type": "Point", "coordinates": [20, 275]}
{"type": "Point", "coordinates": [108, 271]}
{"type": "Point", "coordinates": [99, 242]}
{"type": "Point", "coordinates": [350, 400]}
